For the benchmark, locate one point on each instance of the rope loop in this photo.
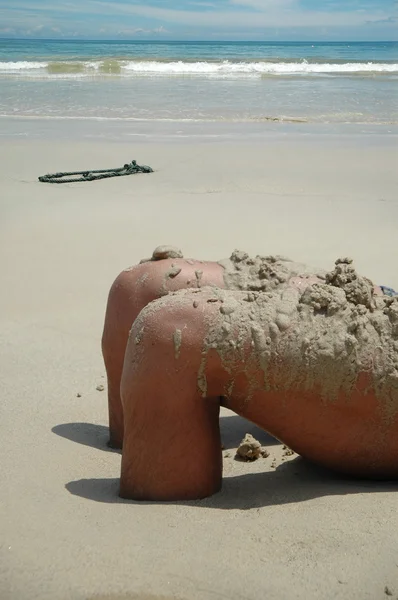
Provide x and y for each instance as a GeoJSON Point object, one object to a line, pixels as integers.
{"type": "Point", "coordinates": [71, 177]}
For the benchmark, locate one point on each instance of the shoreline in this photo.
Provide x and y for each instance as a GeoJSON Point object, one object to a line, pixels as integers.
{"type": "Point", "coordinates": [185, 131]}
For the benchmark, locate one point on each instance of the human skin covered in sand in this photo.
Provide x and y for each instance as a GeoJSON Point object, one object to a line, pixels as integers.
{"type": "Point", "coordinates": [310, 357]}
{"type": "Point", "coordinates": [165, 272]}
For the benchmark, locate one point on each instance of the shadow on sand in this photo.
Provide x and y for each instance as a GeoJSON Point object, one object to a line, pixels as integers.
{"type": "Point", "coordinates": [88, 434]}
{"type": "Point", "coordinates": [233, 429]}
{"type": "Point", "coordinates": [294, 481]}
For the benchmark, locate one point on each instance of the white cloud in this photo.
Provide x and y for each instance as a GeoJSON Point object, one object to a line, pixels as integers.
{"type": "Point", "coordinates": [387, 21]}
{"type": "Point", "coordinates": [287, 15]}
{"type": "Point", "coordinates": [43, 30]}
{"type": "Point", "coordinates": [264, 5]}
{"type": "Point", "coordinates": [236, 15]}
{"type": "Point", "coordinates": [140, 31]}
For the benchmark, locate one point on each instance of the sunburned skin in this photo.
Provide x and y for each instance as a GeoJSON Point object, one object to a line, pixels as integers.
{"type": "Point", "coordinates": [311, 358]}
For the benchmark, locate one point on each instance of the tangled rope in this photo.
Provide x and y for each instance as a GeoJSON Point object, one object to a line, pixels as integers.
{"type": "Point", "coordinates": [128, 169]}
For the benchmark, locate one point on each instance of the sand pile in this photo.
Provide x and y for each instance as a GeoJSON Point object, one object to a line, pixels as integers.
{"type": "Point", "coordinates": [327, 333]}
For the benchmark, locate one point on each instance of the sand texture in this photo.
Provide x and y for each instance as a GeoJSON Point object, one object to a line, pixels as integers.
{"type": "Point", "coordinates": [359, 334]}
{"type": "Point", "coordinates": [280, 529]}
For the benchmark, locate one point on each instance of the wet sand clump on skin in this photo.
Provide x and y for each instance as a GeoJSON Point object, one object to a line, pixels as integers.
{"type": "Point", "coordinates": [163, 252]}
{"type": "Point", "coordinates": [262, 273]}
{"type": "Point", "coordinates": [327, 333]}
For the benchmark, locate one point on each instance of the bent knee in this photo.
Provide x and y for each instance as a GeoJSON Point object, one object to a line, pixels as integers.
{"type": "Point", "coordinates": [137, 286]}
{"type": "Point", "coordinates": [165, 315]}
{"type": "Point", "coordinates": [178, 323]}
{"type": "Point", "coordinates": [168, 343]}
{"type": "Point", "coordinates": [158, 278]}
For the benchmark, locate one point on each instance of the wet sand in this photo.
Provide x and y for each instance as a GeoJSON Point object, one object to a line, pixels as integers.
{"type": "Point", "coordinates": [280, 528]}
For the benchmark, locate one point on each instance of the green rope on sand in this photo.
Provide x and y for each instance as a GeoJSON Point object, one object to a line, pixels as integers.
{"type": "Point", "coordinates": [128, 169]}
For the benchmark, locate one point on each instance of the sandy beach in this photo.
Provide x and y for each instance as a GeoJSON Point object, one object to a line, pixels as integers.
{"type": "Point", "coordinates": [281, 528]}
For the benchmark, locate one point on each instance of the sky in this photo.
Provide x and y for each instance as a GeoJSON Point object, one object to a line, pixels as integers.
{"type": "Point", "coordinates": [283, 20]}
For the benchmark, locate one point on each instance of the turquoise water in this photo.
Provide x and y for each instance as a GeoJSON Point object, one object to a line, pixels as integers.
{"type": "Point", "coordinates": [351, 82]}
{"type": "Point", "coordinates": [29, 50]}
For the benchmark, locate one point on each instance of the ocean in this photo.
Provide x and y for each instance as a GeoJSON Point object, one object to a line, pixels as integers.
{"type": "Point", "coordinates": [295, 83]}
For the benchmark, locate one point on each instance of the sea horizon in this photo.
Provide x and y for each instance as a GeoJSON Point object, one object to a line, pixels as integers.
{"type": "Point", "coordinates": [197, 41]}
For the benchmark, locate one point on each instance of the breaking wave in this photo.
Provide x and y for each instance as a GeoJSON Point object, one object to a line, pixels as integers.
{"type": "Point", "coordinates": [216, 69]}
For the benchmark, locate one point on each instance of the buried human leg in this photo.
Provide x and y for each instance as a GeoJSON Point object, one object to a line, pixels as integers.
{"type": "Point", "coordinates": [171, 446]}
{"type": "Point", "coordinates": [315, 367]}
{"type": "Point", "coordinates": [168, 271]}
{"type": "Point", "coordinates": [133, 289]}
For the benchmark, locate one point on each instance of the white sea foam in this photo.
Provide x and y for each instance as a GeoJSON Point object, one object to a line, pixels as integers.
{"type": "Point", "coordinates": [23, 65]}
{"type": "Point", "coordinates": [130, 68]}
{"type": "Point", "coordinates": [260, 68]}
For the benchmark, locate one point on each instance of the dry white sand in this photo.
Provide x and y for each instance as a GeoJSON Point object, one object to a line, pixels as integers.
{"type": "Point", "coordinates": [280, 529]}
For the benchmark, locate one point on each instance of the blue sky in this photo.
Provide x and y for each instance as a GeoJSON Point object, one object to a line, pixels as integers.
{"type": "Point", "coordinates": [201, 19]}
